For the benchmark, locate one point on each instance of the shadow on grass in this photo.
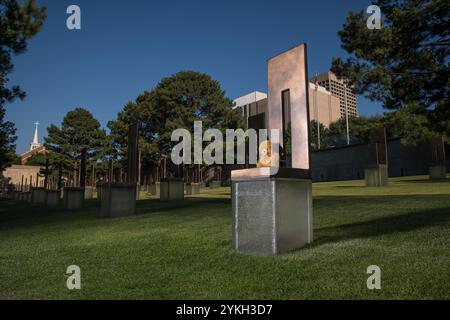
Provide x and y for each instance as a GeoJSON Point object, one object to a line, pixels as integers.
{"type": "Point", "coordinates": [220, 193]}
{"type": "Point", "coordinates": [148, 206]}
{"type": "Point", "coordinates": [383, 226]}
{"type": "Point", "coordinates": [426, 181]}
{"type": "Point", "coordinates": [348, 187]}
{"type": "Point", "coordinates": [17, 214]}
{"type": "Point", "coordinates": [20, 214]}
{"type": "Point", "coordinates": [382, 199]}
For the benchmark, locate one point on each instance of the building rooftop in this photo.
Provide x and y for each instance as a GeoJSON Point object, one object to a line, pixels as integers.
{"type": "Point", "coordinates": [258, 96]}
{"type": "Point", "coordinates": [249, 98]}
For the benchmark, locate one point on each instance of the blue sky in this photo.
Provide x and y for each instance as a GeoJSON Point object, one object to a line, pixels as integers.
{"type": "Point", "coordinates": [126, 47]}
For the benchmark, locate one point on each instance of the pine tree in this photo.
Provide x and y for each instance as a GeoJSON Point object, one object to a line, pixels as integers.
{"type": "Point", "coordinates": [405, 63]}
{"type": "Point", "coordinates": [176, 102]}
{"type": "Point", "coordinates": [18, 24]}
{"type": "Point", "coordinates": [79, 130]}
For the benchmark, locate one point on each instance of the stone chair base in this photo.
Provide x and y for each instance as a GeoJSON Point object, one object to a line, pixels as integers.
{"type": "Point", "coordinates": [193, 188]}
{"type": "Point", "coordinates": [271, 214]}
{"type": "Point", "coordinates": [89, 192]}
{"type": "Point", "coordinates": [38, 195]}
{"type": "Point", "coordinates": [215, 184]}
{"type": "Point", "coordinates": [53, 198]}
{"type": "Point", "coordinates": [171, 190]}
{"type": "Point", "coordinates": [73, 198]}
{"type": "Point", "coordinates": [376, 176]}
{"type": "Point", "coordinates": [118, 200]}
{"type": "Point", "coordinates": [26, 196]}
{"type": "Point", "coordinates": [438, 172]}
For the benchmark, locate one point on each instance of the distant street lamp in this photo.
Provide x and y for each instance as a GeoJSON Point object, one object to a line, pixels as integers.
{"type": "Point", "coordinates": [346, 111]}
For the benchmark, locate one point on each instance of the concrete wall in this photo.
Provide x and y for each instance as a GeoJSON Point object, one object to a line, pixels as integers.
{"type": "Point", "coordinates": [118, 200]}
{"type": "Point", "coordinates": [347, 163]}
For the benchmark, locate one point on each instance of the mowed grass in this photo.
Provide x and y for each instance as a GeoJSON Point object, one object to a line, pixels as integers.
{"type": "Point", "coordinates": [183, 251]}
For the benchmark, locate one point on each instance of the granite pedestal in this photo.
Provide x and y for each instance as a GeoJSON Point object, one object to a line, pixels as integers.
{"type": "Point", "coordinates": [53, 197]}
{"type": "Point", "coordinates": [438, 172]}
{"type": "Point", "coordinates": [26, 196]}
{"type": "Point", "coordinates": [157, 189]}
{"type": "Point", "coordinates": [376, 175]}
{"type": "Point", "coordinates": [73, 198]}
{"type": "Point", "coordinates": [214, 184]}
{"type": "Point", "coordinates": [437, 165]}
{"type": "Point", "coordinates": [272, 212]}
{"type": "Point", "coordinates": [193, 188]}
{"type": "Point", "coordinates": [4, 195]}
{"type": "Point", "coordinates": [171, 190]}
{"type": "Point", "coordinates": [118, 200]}
{"type": "Point", "coordinates": [152, 189]}
{"type": "Point", "coordinates": [138, 192]}
{"type": "Point", "coordinates": [89, 193]}
{"type": "Point", "coordinates": [99, 191]}
{"type": "Point", "coordinates": [16, 195]}
{"type": "Point", "coordinates": [38, 195]}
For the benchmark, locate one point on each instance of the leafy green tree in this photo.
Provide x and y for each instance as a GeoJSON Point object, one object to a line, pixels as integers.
{"type": "Point", "coordinates": [16, 159]}
{"type": "Point", "coordinates": [39, 159]}
{"type": "Point", "coordinates": [79, 130]}
{"type": "Point", "coordinates": [314, 137]}
{"type": "Point", "coordinates": [176, 102]}
{"type": "Point", "coordinates": [360, 129]}
{"type": "Point", "coordinates": [140, 111]}
{"type": "Point", "coordinates": [54, 161]}
{"type": "Point", "coordinates": [7, 141]}
{"type": "Point", "coordinates": [409, 123]}
{"type": "Point", "coordinates": [18, 24]}
{"type": "Point", "coordinates": [404, 62]}
{"type": "Point", "coordinates": [185, 97]}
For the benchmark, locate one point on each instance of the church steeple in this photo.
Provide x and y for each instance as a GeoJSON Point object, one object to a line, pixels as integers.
{"type": "Point", "coordinates": [35, 143]}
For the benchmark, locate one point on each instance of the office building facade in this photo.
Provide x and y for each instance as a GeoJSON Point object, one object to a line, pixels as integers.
{"type": "Point", "coordinates": [337, 88]}
{"type": "Point", "coordinates": [255, 107]}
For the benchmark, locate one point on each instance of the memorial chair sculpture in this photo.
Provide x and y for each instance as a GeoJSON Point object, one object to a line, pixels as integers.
{"type": "Point", "coordinates": [438, 168]}
{"type": "Point", "coordinates": [73, 196]}
{"type": "Point", "coordinates": [53, 191]}
{"type": "Point", "coordinates": [376, 172]}
{"type": "Point", "coordinates": [37, 192]}
{"type": "Point", "coordinates": [272, 204]}
{"type": "Point", "coordinates": [119, 198]}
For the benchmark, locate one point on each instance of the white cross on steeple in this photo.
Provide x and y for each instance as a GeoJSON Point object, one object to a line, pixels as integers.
{"type": "Point", "coordinates": [35, 143]}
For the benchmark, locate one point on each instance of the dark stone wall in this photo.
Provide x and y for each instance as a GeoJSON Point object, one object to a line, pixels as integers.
{"type": "Point", "coordinates": [346, 163]}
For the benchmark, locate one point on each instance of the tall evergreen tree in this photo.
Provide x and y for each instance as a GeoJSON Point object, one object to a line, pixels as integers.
{"type": "Point", "coordinates": [176, 102]}
{"type": "Point", "coordinates": [406, 62]}
{"type": "Point", "coordinates": [79, 130]}
{"type": "Point", "coordinates": [18, 24]}
{"type": "Point", "coordinates": [360, 129]}
{"type": "Point", "coordinates": [185, 97]}
{"type": "Point", "coordinates": [314, 136]}
{"type": "Point", "coordinates": [140, 111]}
{"type": "Point", "coordinates": [7, 141]}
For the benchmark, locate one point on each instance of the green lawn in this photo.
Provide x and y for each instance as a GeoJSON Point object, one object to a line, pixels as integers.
{"type": "Point", "coordinates": [171, 251]}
